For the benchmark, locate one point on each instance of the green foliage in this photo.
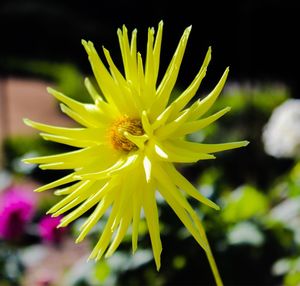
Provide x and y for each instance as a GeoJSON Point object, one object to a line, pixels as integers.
{"type": "Point", "coordinates": [261, 98]}
{"type": "Point", "coordinates": [244, 203]}
{"type": "Point", "coordinates": [101, 271]}
{"type": "Point", "coordinates": [255, 236]}
{"type": "Point", "coordinates": [17, 146]}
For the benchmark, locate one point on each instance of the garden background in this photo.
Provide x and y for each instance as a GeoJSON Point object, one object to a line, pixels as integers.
{"type": "Point", "coordinates": [256, 235]}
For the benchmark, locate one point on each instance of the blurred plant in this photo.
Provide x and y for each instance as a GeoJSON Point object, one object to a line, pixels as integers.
{"type": "Point", "coordinates": [47, 264]}
{"type": "Point", "coordinates": [284, 220]}
{"type": "Point", "coordinates": [290, 268]}
{"type": "Point", "coordinates": [17, 208]}
{"type": "Point", "coordinates": [48, 230]}
{"type": "Point", "coordinates": [243, 203]}
{"type": "Point", "coordinates": [18, 147]}
{"type": "Point", "coordinates": [261, 98]}
{"type": "Point", "coordinates": [281, 134]}
{"type": "Point", "coordinates": [255, 237]}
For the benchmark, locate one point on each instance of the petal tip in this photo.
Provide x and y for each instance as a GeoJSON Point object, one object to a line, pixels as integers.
{"type": "Point", "coordinates": [50, 90]}
{"type": "Point", "coordinates": [158, 266]}
{"type": "Point", "coordinates": [77, 177]}
{"type": "Point", "coordinates": [27, 160]}
{"type": "Point", "coordinates": [38, 190]}
{"type": "Point", "coordinates": [216, 207]}
{"type": "Point", "coordinates": [28, 122]}
{"type": "Point", "coordinates": [78, 240]}
{"type": "Point", "coordinates": [188, 29]}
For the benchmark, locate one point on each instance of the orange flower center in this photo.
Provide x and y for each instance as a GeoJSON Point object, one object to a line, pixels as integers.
{"type": "Point", "coordinates": [119, 127]}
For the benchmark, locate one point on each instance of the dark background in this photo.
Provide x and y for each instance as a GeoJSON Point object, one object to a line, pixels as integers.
{"type": "Point", "coordinates": [257, 39]}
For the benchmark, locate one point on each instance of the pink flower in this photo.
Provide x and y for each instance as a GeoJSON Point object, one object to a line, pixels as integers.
{"type": "Point", "coordinates": [48, 230]}
{"type": "Point", "coordinates": [17, 208]}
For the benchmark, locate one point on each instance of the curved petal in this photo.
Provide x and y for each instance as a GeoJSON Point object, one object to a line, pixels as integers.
{"type": "Point", "coordinates": [90, 202]}
{"type": "Point", "coordinates": [99, 211]}
{"type": "Point", "coordinates": [151, 213]}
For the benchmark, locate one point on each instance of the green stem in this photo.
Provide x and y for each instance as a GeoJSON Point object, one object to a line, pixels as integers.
{"type": "Point", "coordinates": [210, 256]}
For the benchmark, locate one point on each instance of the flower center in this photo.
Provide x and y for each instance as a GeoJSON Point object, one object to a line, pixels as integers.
{"type": "Point", "coordinates": [119, 127]}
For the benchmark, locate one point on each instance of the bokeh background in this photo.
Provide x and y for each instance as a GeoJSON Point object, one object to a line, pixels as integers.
{"type": "Point", "coordinates": [256, 235]}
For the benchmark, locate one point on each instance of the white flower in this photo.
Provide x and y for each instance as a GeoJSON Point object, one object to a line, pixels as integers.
{"type": "Point", "coordinates": [281, 135]}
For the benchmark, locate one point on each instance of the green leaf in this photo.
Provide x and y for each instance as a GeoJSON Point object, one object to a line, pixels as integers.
{"type": "Point", "coordinates": [244, 203]}
{"type": "Point", "coordinates": [101, 271]}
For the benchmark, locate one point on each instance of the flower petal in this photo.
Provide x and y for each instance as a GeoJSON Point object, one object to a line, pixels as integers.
{"type": "Point", "coordinates": [204, 105]}
{"type": "Point", "coordinates": [68, 160]}
{"type": "Point", "coordinates": [180, 102]}
{"type": "Point", "coordinates": [123, 227]}
{"type": "Point", "coordinates": [139, 141]}
{"type": "Point", "coordinates": [179, 204]}
{"type": "Point", "coordinates": [128, 101]}
{"type": "Point", "coordinates": [147, 168]}
{"type": "Point", "coordinates": [156, 50]}
{"type": "Point", "coordinates": [136, 213]}
{"type": "Point", "coordinates": [62, 181]}
{"type": "Point", "coordinates": [92, 91]}
{"type": "Point", "coordinates": [187, 187]}
{"type": "Point", "coordinates": [165, 87]}
{"type": "Point", "coordinates": [88, 111]}
{"type": "Point", "coordinates": [209, 148]}
{"type": "Point", "coordinates": [151, 213]}
{"type": "Point", "coordinates": [103, 77]}
{"type": "Point", "coordinates": [99, 211]}
{"type": "Point", "coordinates": [127, 56]}
{"type": "Point", "coordinates": [106, 235]}
{"type": "Point", "coordinates": [172, 153]}
{"type": "Point", "coordinates": [77, 117]}
{"type": "Point", "coordinates": [194, 126]}
{"type": "Point", "coordinates": [79, 193]}
{"type": "Point", "coordinates": [90, 202]}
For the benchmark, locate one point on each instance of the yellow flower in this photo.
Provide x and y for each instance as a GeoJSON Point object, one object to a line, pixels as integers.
{"type": "Point", "coordinates": [130, 137]}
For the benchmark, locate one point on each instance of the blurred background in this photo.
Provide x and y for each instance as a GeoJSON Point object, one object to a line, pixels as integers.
{"type": "Point", "coordinates": [256, 235]}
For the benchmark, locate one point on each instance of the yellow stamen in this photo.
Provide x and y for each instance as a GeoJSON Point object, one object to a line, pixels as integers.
{"type": "Point", "coordinates": [119, 127]}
